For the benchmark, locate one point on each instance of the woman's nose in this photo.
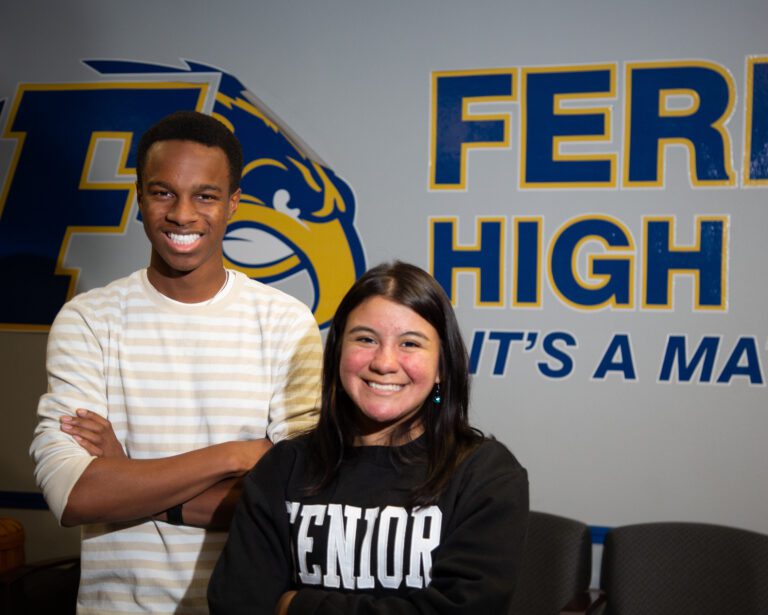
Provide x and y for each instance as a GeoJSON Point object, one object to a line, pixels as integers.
{"type": "Point", "coordinates": [384, 360]}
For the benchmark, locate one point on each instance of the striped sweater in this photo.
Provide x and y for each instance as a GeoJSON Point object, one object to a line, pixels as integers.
{"type": "Point", "coordinates": [171, 378]}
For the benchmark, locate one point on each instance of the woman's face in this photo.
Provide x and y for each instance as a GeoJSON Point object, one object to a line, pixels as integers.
{"type": "Point", "coordinates": [389, 365]}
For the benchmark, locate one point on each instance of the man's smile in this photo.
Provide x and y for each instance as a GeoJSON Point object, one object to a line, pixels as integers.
{"type": "Point", "coordinates": [183, 239]}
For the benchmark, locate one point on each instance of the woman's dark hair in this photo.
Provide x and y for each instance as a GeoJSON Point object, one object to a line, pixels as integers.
{"type": "Point", "coordinates": [199, 128]}
{"type": "Point", "coordinates": [449, 437]}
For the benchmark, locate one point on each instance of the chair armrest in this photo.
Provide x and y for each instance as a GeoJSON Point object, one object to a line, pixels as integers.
{"type": "Point", "coordinates": [15, 574]}
{"type": "Point", "coordinates": [586, 603]}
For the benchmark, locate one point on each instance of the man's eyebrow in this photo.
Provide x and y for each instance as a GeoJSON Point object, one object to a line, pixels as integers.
{"type": "Point", "coordinates": [158, 183]}
{"type": "Point", "coordinates": [208, 187]}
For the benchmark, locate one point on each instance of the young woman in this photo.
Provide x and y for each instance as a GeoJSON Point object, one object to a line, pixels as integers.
{"type": "Point", "coordinates": [393, 503]}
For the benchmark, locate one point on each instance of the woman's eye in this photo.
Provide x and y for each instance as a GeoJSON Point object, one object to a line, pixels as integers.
{"type": "Point", "coordinates": [411, 344]}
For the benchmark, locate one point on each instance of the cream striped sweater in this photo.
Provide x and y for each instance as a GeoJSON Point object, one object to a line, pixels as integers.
{"type": "Point", "coordinates": [171, 378]}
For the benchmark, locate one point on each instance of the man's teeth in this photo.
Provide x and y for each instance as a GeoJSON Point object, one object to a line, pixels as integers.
{"type": "Point", "coordinates": [184, 240]}
{"type": "Point", "coordinates": [385, 387]}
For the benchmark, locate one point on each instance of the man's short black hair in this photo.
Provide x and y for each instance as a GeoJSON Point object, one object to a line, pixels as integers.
{"type": "Point", "coordinates": [198, 128]}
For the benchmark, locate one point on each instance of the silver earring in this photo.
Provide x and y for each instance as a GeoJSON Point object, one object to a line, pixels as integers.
{"type": "Point", "coordinates": [436, 398]}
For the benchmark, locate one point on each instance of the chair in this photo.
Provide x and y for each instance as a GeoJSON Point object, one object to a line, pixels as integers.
{"type": "Point", "coordinates": [556, 566]}
{"type": "Point", "coordinates": [48, 587]}
{"type": "Point", "coordinates": [680, 568]}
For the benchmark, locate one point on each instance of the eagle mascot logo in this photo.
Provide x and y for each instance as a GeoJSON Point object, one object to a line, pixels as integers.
{"type": "Point", "coordinates": [294, 224]}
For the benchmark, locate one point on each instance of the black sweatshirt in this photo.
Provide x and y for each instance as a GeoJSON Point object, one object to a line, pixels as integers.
{"type": "Point", "coordinates": [356, 547]}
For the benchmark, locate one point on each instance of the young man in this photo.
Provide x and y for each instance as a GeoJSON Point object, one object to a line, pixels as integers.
{"type": "Point", "coordinates": [167, 386]}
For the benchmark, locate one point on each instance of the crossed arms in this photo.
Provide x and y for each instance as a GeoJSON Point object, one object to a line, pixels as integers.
{"type": "Point", "coordinates": [82, 466]}
{"type": "Point", "coordinates": [115, 488]}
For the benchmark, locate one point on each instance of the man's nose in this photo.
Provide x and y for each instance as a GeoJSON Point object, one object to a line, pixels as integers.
{"type": "Point", "coordinates": [183, 211]}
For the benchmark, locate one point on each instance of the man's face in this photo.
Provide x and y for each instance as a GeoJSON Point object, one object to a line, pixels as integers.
{"type": "Point", "coordinates": [185, 205]}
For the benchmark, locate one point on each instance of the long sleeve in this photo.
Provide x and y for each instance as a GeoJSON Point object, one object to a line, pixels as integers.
{"type": "Point", "coordinates": [255, 567]}
{"type": "Point", "coordinates": [295, 395]}
{"type": "Point", "coordinates": [476, 565]}
{"type": "Point", "coordinates": [75, 380]}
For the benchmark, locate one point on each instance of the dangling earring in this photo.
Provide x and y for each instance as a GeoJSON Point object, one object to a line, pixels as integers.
{"type": "Point", "coordinates": [436, 398]}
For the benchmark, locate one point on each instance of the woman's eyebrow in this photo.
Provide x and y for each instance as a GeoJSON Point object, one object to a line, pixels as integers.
{"type": "Point", "coordinates": [361, 329]}
{"type": "Point", "coordinates": [366, 329]}
{"type": "Point", "coordinates": [415, 334]}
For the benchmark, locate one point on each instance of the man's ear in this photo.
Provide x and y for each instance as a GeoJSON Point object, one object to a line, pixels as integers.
{"type": "Point", "coordinates": [234, 201]}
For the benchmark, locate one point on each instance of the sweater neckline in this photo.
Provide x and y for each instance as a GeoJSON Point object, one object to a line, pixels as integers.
{"type": "Point", "coordinates": [231, 291]}
{"type": "Point", "coordinates": [385, 455]}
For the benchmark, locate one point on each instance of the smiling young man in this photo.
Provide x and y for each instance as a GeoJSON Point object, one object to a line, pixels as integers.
{"type": "Point", "coordinates": [167, 386]}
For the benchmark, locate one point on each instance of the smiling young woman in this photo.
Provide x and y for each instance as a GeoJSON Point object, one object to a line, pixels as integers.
{"type": "Point", "coordinates": [388, 367]}
{"type": "Point", "coordinates": [393, 503]}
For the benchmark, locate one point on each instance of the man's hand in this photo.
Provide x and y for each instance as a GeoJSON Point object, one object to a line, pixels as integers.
{"type": "Point", "coordinates": [245, 453]}
{"type": "Point", "coordinates": [93, 432]}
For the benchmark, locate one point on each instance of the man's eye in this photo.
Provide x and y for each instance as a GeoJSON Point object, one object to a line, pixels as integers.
{"type": "Point", "coordinates": [206, 197]}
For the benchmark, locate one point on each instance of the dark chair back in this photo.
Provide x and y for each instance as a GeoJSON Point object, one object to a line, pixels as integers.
{"type": "Point", "coordinates": [557, 565]}
{"type": "Point", "coordinates": [680, 568]}
{"type": "Point", "coordinates": [43, 588]}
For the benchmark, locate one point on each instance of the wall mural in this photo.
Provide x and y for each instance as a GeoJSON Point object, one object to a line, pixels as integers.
{"type": "Point", "coordinates": [296, 216]}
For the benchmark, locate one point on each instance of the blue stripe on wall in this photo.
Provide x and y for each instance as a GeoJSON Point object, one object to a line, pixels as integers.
{"type": "Point", "coordinates": [34, 501]}
{"type": "Point", "coordinates": [598, 534]}
{"type": "Point", "coordinates": [22, 499]}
